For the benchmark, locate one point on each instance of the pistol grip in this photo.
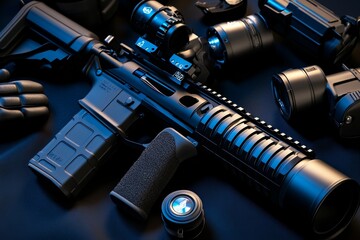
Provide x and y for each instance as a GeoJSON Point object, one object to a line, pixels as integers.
{"type": "Point", "coordinates": [74, 153]}
{"type": "Point", "coordinates": [140, 187]}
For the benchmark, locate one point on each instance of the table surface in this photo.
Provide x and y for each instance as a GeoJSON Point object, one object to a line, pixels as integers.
{"type": "Point", "coordinates": [29, 211]}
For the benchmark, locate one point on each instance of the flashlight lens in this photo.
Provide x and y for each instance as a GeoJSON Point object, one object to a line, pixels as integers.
{"type": "Point", "coordinates": [299, 90]}
{"type": "Point", "coordinates": [231, 40]}
{"type": "Point", "coordinates": [336, 210]}
{"type": "Point", "coordinates": [283, 96]}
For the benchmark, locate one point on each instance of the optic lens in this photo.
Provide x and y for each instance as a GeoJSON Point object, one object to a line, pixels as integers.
{"type": "Point", "coordinates": [217, 48]}
{"type": "Point", "coordinates": [299, 90]}
{"type": "Point", "coordinates": [239, 38]}
{"type": "Point", "coordinates": [283, 97]}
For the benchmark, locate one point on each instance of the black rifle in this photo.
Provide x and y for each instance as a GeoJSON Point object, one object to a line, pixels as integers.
{"type": "Point", "coordinates": [127, 86]}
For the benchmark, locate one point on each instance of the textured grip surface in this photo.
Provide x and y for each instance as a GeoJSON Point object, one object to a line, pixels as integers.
{"type": "Point", "coordinates": [142, 184]}
{"type": "Point", "coordinates": [74, 153]}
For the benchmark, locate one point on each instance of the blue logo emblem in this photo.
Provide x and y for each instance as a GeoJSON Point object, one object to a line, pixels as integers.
{"type": "Point", "coordinates": [147, 10]}
{"type": "Point", "coordinates": [182, 205]}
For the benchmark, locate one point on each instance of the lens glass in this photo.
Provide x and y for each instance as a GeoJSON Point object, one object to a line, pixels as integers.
{"type": "Point", "coordinates": [282, 96]}
{"type": "Point", "coordinates": [239, 39]}
{"type": "Point", "coordinates": [336, 210]}
{"type": "Point", "coordinates": [217, 48]}
{"type": "Point", "coordinates": [182, 205]}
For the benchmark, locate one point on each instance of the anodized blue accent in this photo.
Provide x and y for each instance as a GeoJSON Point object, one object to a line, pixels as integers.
{"type": "Point", "coordinates": [182, 205]}
{"type": "Point", "coordinates": [275, 4]}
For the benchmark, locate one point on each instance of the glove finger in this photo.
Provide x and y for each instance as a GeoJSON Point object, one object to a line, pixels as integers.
{"type": "Point", "coordinates": [35, 112]}
{"type": "Point", "coordinates": [38, 99]}
{"type": "Point", "coordinates": [4, 75]}
{"type": "Point", "coordinates": [28, 86]}
{"type": "Point", "coordinates": [20, 86]}
{"type": "Point", "coordinates": [10, 102]}
{"type": "Point", "coordinates": [23, 100]}
{"type": "Point", "coordinates": [7, 89]}
{"type": "Point", "coordinates": [7, 115]}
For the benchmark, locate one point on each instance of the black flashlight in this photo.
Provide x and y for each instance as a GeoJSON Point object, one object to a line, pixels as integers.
{"type": "Point", "coordinates": [238, 39]}
{"type": "Point", "coordinates": [300, 93]}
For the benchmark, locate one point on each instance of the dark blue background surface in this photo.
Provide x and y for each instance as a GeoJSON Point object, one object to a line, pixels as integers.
{"type": "Point", "coordinates": [28, 211]}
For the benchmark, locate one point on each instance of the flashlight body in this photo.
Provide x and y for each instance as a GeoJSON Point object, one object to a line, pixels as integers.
{"type": "Point", "coordinates": [305, 92]}
{"type": "Point", "coordinates": [230, 41]}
